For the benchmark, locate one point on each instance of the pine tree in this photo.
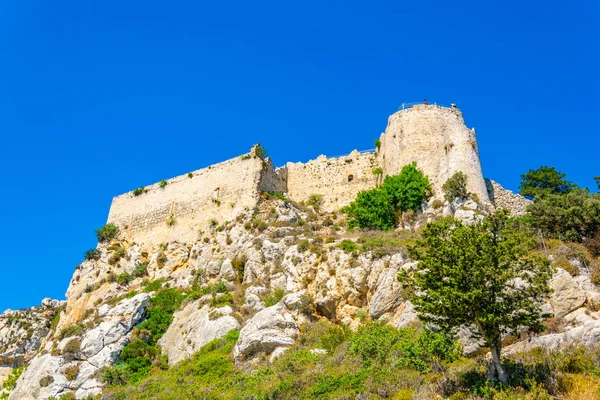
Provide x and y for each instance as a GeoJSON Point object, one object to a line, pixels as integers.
{"type": "Point", "coordinates": [481, 276]}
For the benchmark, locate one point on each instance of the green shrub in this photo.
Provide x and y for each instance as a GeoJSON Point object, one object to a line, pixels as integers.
{"type": "Point", "coordinates": [124, 279]}
{"type": "Point", "coordinates": [92, 254]}
{"type": "Point", "coordinates": [73, 330]}
{"type": "Point", "coordinates": [315, 200]}
{"type": "Point", "coordinates": [71, 372]}
{"type": "Point", "coordinates": [456, 187]}
{"type": "Point", "coordinates": [270, 299]}
{"type": "Point", "coordinates": [139, 191]}
{"type": "Point", "coordinates": [69, 352]}
{"type": "Point", "coordinates": [409, 189]}
{"type": "Point", "coordinates": [190, 175]}
{"type": "Point", "coordinates": [118, 253]}
{"type": "Point", "coordinates": [239, 264]}
{"type": "Point", "coordinates": [162, 183]}
{"type": "Point", "coordinates": [372, 209]}
{"type": "Point", "coordinates": [377, 144]}
{"type": "Point", "coordinates": [107, 232]}
{"type": "Point", "coordinates": [303, 246]}
{"type": "Point", "coordinates": [46, 381]}
{"type": "Point", "coordinates": [139, 270]}
{"type": "Point", "coordinates": [261, 152]}
{"type": "Point", "coordinates": [348, 246]}
{"type": "Point", "coordinates": [171, 220]}
{"type": "Point", "coordinates": [573, 216]}
{"type": "Point", "coordinates": [378, 171]}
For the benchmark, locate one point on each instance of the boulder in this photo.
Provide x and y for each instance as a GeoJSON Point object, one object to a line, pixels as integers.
{"type": "Point", "coordinates": [193, 327]}
{"type": "Point", "coordinates": [387, 294]}
{"type": "Point", "coordinates": [267, 330]}
{"type": "Point", "coordinates": [567, 296]}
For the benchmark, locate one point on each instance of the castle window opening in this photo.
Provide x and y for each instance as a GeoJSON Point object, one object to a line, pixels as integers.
{"type": "Point", "coordinates": [350, 178]}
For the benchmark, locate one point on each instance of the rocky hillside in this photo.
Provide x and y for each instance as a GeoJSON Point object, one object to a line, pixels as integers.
{"type": "Point", "coordinates": [133, 309]}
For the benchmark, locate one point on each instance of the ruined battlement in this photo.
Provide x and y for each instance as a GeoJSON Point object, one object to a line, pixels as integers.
{"type": "Point", "coordinates": [434, 137]}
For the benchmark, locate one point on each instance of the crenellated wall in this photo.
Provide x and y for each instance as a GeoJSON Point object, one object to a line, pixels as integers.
{"type": "Point", "coordinates": [438, 140]}
{"type": "Point", "coordinates": [338, 179]}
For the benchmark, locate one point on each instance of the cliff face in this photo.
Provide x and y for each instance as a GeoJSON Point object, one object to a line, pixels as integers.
{"type": "Point", "coordinates": [266, 274]}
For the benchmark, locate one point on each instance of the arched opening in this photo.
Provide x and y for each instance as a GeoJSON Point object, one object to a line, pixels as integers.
{"type": "Point", "coordinates": [350, 178]}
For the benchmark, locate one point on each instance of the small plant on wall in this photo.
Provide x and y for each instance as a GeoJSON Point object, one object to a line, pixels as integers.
{"type": "Point", "coordinates": [162, 183]}
{"type": "Point", "coordinates": [139, 191]}
{"type": "Point", "coordinates": [171, 221]}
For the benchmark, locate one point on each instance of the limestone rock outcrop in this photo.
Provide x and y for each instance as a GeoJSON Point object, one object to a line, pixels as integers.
{"type": "Point", "coordinates": [193, 327]}
{"type": "Point", "coordinates": [87, 352]}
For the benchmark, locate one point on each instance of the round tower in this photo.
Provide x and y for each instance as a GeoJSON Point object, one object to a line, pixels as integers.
{"type": "Point", "coordinates": [438, 140]}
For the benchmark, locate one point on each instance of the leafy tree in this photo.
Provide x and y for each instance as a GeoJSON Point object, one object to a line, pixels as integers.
{"type": "Point", "coordinates": [408, 189]}
{"type": "Point", "coordinates": [574, 216]}
{"type": "Point", "coordinates": [543, 181]}
{"type": "Point", "coordinates": [372, 209]}
{"type": "Point", "coordinates": [456, 187]}
{"type": "Point", "coordinates": [597, 179]}
{"type": "Point", "coordinates": [479, 276]}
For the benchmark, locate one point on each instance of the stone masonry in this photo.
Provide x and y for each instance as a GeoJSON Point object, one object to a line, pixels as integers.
{"type": "Point", "coordinates": [435, 137]}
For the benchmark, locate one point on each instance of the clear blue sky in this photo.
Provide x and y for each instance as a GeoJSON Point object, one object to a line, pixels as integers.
{"type": "Point", "coordinates": [100, 97]}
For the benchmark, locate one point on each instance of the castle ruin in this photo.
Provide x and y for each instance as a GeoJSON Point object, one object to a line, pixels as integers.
{"type": "Point", "coordinates": [434, 137]}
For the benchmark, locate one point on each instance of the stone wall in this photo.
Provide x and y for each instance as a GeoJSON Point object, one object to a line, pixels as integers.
{"type": "Point", "coordinates": [338, 179]}
{"type": "Point", "coordinates": [221, 192]}
{"type": "Point", "coordinates": [505, 199]}
{"type": "Point", "coordinates": [438, 140]}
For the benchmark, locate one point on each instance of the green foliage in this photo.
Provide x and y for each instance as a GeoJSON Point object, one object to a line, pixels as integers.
{"type": "Point", "coordinates": [597, 179]}
{"type": "Point", "coordinates": [190, 175]}
{"type": "Point", "coordinates": [73, 330]}
{"type": "Point", "coordinates": [154, 285]}
{"type": "Point", "coordinates": [46, 381]}
{"type": "Point", "coordinates": [261, 152]}
{"type": "Point", "coordinates": [376, 208]}
{"type": "Point", "coordinates": [303, 246]}
{"type": "Point", "coordinates": [139, 191]}
{"type": "Point", "coordinates": [11, 381]}
{"type": "Point", "coordinates": [378, 171]}
{"type": "Point", "coordinates": [372, 209]}
{"type": "Point", "coordinates": [117, 254]}
{"type": "Point", "coordinates": [139, 270]}
{"type": "Point", "coordinates": [573, 216]}
{"type": "Point", "coordinates": [315, 200]}
{"type": "Point", "coordinates": [71, 372]}
{"type": "Point", "coordinates": [456, 187]}
{"type": "Point", "coordinates": [270, 299]}
{"type": "Point", "coordinates": [142, 353]}
{"type": "Point", "coordinates": [377, 361]}
{"type": "Point", "coordinates": [479, 275]}
{"type": "Point", "coordinates": [377, 143]}
{"type": "Point", "coordinates": [544, 181]}
{"type": "Point", "coordinates": [69, 352]}
{"type": "Point", "coordinates": [124, 279]}
{"type": "Point", "coordinates": [162, 183]}
{"type": "Point", "coordinates": [409, 189]}
{"type": "Point", "coordinates": [239, 264]}
{"type": "Point", "coordinates": [92, 254]}
{"type": "Point", "coordinates": [107, 232]}
{"type": "Point", "coordinates": [386, 244]}
{"type": "Point", "coordinates": [348, 246]}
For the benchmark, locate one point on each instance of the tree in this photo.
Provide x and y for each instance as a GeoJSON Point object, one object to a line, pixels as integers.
{"type": "Point", "coordinates": [456, 187]}
{"type": "Point", "coordinates": [409, 189]}
{"type": "Point", "coordinates": [372, 209]}
{"type": "Point", "coordinates": [479, 276]}
{"type": "Point", "coordinates": [573, 216]}
{"type": "Point", "coordinates": [597, 179]}
{"type": "Point", "coordinates": [543, 181]}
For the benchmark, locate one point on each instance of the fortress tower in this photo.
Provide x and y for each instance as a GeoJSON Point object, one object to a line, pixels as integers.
{"type": "Point", "coordinates": [438, 140]}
